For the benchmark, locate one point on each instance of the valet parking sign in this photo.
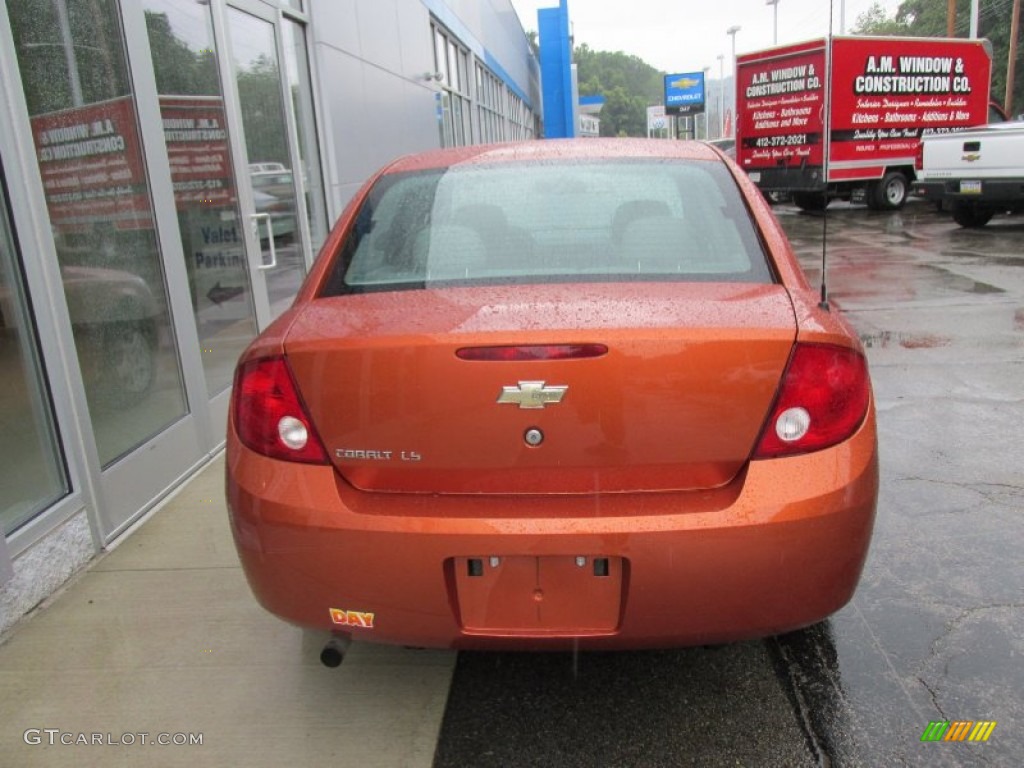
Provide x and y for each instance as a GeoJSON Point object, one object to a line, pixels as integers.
{"type": "Point", "coordinates": [684, 93]}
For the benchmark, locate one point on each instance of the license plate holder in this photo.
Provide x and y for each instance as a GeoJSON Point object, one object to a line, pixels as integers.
{"type": "Point", "coordinates": [552, 594]}
{"type": "Point", "coordinates": [970, 187]}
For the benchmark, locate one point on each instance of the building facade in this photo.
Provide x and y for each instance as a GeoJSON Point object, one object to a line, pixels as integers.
{"type": "Point", "coordinates": [168, 170]}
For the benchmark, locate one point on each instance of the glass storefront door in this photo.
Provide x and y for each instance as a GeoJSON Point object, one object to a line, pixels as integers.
{"type": "Point", "coordinates": [246, 217]}
{"type": "Point", "coordinates": [192, 108]}
{"type": "Point", "coordinates": [273, 169]}
{"type": "Point", "coordinates": [32, 471]}
{"type": "Point", "coordinates": [90, 155]}
{"type": "Point", "coordinates": [147, 331]}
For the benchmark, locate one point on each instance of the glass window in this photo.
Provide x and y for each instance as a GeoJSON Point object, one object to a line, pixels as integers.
{"type": "Point", "coordinates": [441, 55]}
{"type": "Point", "coordinates": [551, 222]}
{"type": "Point", "coordinates": [31, 466]}
{"type": "Point", "coordinates": [296, 61]}
{"type": "Point", "coordinates": [489, 104]}
{"type": "Point", "coordinates": [258, 76]}
{"type": "Point", "coordinates": [195, 130]}
{"type": "Point", "coordinates": [89, 151]}
{"type": "Point", "coordinates": [454, 108]}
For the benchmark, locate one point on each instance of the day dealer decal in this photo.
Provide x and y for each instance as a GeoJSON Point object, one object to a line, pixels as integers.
{"type": "Point", "coordinates": [357, 619]}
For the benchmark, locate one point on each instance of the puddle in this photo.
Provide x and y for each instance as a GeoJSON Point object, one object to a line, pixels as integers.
{"type": "Point", "coordinates": [960, 283]}
{"type": "Point", "coordinates": [886, 339]}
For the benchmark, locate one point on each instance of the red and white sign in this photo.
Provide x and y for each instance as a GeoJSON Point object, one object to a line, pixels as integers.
{"type": "Point", "coordinates": [886, 92]}
{"type": "Point", "coordinates": [91, 165]}
{"type": "Point", "coordinates": [195, 131]}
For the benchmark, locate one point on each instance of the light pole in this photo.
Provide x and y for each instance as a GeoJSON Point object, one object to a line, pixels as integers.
{"type": "Point", "coordinates": [775, 20]}
{"type": "Point", "coordinates": [706, 136]}
{"type": "Point", "coordinates": [721, 95]}
{"type": "Point", "coordinates": [731, 31]}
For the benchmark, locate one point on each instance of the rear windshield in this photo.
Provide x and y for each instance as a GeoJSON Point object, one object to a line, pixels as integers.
{"type": "Point", "coordinates": [551, 222]}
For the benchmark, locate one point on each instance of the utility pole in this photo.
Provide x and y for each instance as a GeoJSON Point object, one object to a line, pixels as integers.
{"type": "Point", "coordinates": [950, 18]}
{"type": "Point", "coordinates": [1011, 63]}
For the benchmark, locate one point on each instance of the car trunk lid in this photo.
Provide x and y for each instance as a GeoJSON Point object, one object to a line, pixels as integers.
{"type": "Point", "coordinates": [676, 402]}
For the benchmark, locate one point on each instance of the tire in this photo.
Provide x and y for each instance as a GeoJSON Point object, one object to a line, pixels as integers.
{"type": "Point", "coordinates": [890, 194]}
{"type": "Point", "coordinates": [971, 216]}
{"type": "Point", "coordinates": [810, 201]}
{"type": "Point", "coordinates": [129, 355]}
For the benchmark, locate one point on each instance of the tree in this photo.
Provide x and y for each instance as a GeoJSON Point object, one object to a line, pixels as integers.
{"type": "Point", "coordinates": [531, 39]}
{"type": "Point", "coordinates": [623, 114]}
{"type": "Point", "coordinates": [94, 42]}
{"type": "Point", "coordinates": [179, 69]}
{"type": "Point", "coordinates": [628, 84]}
{"type": "Point", "coordinates": [927, 18]}
{"type": "Point", "coordinates": [260, 96]}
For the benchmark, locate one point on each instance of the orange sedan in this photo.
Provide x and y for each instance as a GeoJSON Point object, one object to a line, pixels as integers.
{"type": "Point", "coordinates": [550, 395]}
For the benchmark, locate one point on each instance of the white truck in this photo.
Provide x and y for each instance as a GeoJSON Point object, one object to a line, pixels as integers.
{"type": "Point", "coordinates": [975, 173]}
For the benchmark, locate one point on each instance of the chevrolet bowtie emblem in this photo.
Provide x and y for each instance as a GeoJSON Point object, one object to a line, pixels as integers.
{"type": "Point", "coordinates": [971, 157]}
{"type": "Point", "coordinates": [532, 394]}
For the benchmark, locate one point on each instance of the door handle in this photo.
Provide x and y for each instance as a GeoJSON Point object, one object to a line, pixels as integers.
{"type": "Point", "coordinates": [270, 240]}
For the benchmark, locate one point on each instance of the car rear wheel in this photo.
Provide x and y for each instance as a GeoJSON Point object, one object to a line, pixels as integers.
{"type": "Point", "coordinates": [810, 201]}
{"type": "Point", "coordinates": [971, 216]}
{"type": "Point", "coordinates": [129, 350]}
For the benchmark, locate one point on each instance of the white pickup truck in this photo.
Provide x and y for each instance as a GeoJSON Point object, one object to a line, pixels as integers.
{"type": "Point", "coordinates": [975, 173]}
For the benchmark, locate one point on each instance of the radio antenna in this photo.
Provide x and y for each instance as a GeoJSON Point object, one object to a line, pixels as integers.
{"type": "Point", "coordinates": [826, 151]}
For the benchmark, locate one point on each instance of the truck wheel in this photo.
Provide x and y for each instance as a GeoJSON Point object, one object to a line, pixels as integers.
{"type": "Point", "coordinates": [810, 201]}
{"type": "Point", "coordinates": [891, 192]}
{"type": "Point", "coordinates": [970, 216]}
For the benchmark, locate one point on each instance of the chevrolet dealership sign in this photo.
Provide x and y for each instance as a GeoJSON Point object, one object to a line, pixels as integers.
{"type": "Point", "coordinates": [684, 93]}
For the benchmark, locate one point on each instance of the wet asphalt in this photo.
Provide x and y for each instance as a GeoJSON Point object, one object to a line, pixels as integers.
{"type": "Point", "coordinates": [935, 631]}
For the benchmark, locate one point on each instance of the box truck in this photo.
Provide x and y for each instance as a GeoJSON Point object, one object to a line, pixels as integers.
{"type": "Point", "coordinates": [885, 94]}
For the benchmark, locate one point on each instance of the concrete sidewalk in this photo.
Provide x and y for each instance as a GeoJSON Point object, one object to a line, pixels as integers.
{"type": "Point", "coordinates": [162, 637]}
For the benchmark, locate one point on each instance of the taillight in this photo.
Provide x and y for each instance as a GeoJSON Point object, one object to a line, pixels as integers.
{"type": "Point", "coordinates": [822, 401]}
{"type": "Point", "coordinates": [532, 352]}
{"type": "Point", "coordinates": [269, 415]}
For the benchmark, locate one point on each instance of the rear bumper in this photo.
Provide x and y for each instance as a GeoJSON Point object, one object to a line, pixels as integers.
{"type": "Point", "coordinates": [779, 548]}
{"type": "Point", "coordinates": [992, 193]}
{"type": "Point", "coordinates": [929, 190]}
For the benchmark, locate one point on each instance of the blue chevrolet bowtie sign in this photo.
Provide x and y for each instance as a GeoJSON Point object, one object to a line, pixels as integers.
{"type": "Point", "coordinates": [684, 93]}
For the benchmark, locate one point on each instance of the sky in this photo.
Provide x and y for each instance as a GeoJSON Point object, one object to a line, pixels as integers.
{"type": "Point", "coordinates": [685, 35]}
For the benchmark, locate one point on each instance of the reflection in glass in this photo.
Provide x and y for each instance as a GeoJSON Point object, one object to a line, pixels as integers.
{"type": "Point", "coordinates": [31, 468]}
{"type": "Point", "coordinates": [195, 130]}
{"type": "Point", "coordinates": [258, 75]}
{"type": "Point", "coordinates": [300, 86]}
{"type": "Point", "coordinates": [72, 63]}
